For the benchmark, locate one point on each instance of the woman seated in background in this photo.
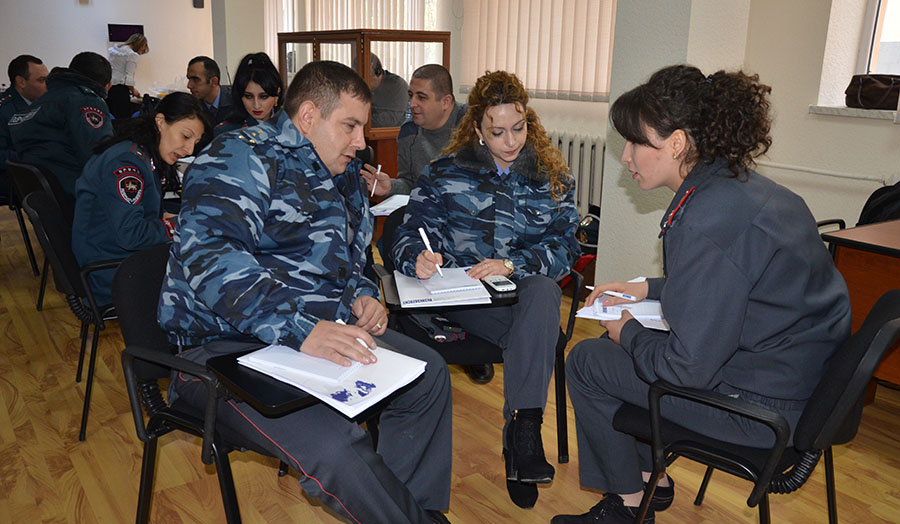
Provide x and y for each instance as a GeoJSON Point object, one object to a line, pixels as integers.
{"type": "Point", "coordinates": [755, 305]}
{"type": "Point", "coordinates": [123, 60]}
{"type": "Point", "coordinates": [256, 92]}
{"type": "Point", "coordinates": [119, 198]}
{"type": "Point", "coordinates": [502, 202]}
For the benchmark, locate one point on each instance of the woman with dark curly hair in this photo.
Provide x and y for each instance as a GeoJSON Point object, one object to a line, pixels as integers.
{"type": "Point", "coordinates": [501, 201]}
{"type": "Point", "coordinates": [752, 298]}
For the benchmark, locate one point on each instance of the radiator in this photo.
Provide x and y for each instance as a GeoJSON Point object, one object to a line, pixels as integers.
{"type": "Point", "coordinates": [584, 154]}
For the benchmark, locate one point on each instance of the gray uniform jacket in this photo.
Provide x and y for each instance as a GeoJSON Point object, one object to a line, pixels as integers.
{"type": "Point", "coordinates": [753, 299]}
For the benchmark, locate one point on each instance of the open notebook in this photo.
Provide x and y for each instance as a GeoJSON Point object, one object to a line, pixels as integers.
{"type": "Point", "coordinates": [647, 312]}
{"type": "Point", "coordinates": [455, 288]}
{"type": "Point", "coordinates": [350, 390]}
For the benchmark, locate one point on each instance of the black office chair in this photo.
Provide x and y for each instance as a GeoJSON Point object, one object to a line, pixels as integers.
{"type": "Point", "coordinates": [831, 417]}
{"type": "Point", "coordinates": [476, 350]}
{"type": "Point", "coordinates": [839, 222]}
{"type": "Point", "coordinates": [25, 179]}
{"type": "Point", "coordinates": [55, 236]}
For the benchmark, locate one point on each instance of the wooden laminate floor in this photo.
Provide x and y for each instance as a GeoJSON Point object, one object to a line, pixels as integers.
{"type": "Point", "coordinates": [48, 476]}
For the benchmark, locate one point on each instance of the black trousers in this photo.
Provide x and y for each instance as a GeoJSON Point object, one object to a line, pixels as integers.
{"type": "Point", "coordinates": [119, 101]}
{"type": "Point", "coordinates": [408, 473]}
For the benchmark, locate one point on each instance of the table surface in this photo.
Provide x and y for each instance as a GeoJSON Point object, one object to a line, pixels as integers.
{"type": "Point", "coordinates": [883, 237]}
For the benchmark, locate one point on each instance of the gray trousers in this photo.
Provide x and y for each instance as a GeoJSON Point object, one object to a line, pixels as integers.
{"type": "Point", "coordinates": [527, 331]}
{"type": "Point", "coordinates": [409, 473]}
{"type": "Point", "coordinates": [600, 375]}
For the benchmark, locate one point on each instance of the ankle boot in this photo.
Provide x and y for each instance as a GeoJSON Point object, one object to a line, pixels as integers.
{"type": "Point", "coordinates": [524, 450]}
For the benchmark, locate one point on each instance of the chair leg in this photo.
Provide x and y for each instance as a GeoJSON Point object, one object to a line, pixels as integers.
{"type": "Point", "coordinates": [649, 490]}
{"type": "Point", "coordinates": [27, 240]}
{"type": "Point", "coordinates": [703, 485]}
{"type": "Point", "coordinates": [226, 484]}
{"type": "Point", "coordinates": [764, 517]}
{"type": "Point", "coordinates": [90, 383]}
{"type": "Point", "coordinates": [829, 487]}
{"type": "Point", "coordinates": [84, 334]}
{"type": "Point", "coordinates": [40, 302]}
{"type": "Point", "coordinates": [282, 468]}
{"type": "Point", "coordinates": [562, 431]}
{"type": "Point", "coordinates": [148, 471]}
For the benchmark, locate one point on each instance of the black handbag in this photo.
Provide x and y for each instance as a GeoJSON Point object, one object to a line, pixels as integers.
{"type": "Point", "coordinates": [873, 92]}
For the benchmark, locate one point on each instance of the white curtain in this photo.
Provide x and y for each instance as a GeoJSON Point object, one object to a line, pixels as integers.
{"type": "Point", "coordinates": [558, 48]}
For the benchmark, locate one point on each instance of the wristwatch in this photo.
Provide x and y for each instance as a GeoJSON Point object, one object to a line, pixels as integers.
{"type": "Point", "coordinates": [509, 267]}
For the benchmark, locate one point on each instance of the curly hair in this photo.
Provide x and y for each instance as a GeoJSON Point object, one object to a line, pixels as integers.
{"type": "Point", "coordinates": [498, 88]}
{"type": "Point", "coordinates": [725, 115]}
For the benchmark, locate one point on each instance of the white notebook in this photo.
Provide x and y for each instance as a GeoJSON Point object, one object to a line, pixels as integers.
{"type": "Point", "coordinates": [413, 292]}
{"type": "Point", "coordinates": [647, 312]}
{"type": "Point", "coordinates": [358, 388]}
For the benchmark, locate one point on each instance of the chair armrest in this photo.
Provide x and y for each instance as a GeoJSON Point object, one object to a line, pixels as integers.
{"type": "Point", "coordinates": [388, 289]}
{"type": "Point", "coordinates": [839, 222]}
{"type": "Point", "coordinates": [578, 285]}
{"type": "Point", "coordinates": [85, 274]}
{"type": "Point", "coordinates": [130, 353]}
{"type": "Point", "coordinates": [774, 421]}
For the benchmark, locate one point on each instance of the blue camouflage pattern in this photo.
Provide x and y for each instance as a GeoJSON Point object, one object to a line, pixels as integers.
{"type": "Point", "coordinates": [269, 242]}
{"type": "Point", "coordinates": [469, 214]}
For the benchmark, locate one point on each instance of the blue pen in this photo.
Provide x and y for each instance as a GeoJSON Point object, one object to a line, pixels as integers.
{"type": "Point", "coordinates": [620, 295]}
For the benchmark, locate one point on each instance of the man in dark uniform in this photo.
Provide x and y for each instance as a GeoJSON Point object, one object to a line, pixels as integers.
{"type": "Point", "coordinates": [60, 129]}
{"type": "Point", "coordinates": [204, 83]}
{"type": "Point", "coordinates": [28, 81]}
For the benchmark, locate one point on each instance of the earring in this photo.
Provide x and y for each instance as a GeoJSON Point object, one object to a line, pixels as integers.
{"type": "Point", "coordinates": [674, 156]}
{"type": "Point", "coordinates": [481, 141]}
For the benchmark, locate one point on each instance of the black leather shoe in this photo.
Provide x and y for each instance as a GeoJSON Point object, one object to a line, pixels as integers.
{"type": "Point", "coordinates": [480, 373]}
{"type": "Point", "coordinates": [524, 450]}
{"type": "Point", "coordinates": [610, 510]}
{"type": "Point", "coordinates": [662, 496]}
{"type": "Point", "coordinates": [437, 517]}
{"type": "Point", "coordinates": [522, 494]}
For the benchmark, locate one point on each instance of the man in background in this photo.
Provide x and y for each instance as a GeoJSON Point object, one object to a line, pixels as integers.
{"type": "Point", "coordinates": [28, 81]}
{"type": "Point", "coordinates": [388, 95]}
{"type": "Point", "coordinates": [60, 129]}
{"type": "Point", "coordinates": [204, 82]}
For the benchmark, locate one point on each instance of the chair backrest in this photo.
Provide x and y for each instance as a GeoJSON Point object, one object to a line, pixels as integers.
{"type": "Point", "coordinates": [28, 178]}
{"type": "Point", "coordinates": [55, 236]}
{"type": "Point", "coordinates": [136, 287]}
{"type": "Point", "coordinates": [833, 412]}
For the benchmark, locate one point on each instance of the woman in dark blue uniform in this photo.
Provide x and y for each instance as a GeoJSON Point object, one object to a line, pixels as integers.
{"type": "Point", "coordinates": [755, 305]}
{"type": "Point", "coordinates": [257, 93]}
{"type": "Point", "coordinates": [118, 198]}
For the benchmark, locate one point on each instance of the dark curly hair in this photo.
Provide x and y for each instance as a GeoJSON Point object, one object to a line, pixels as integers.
{"type": "Point", "coordinates": [725, 115]}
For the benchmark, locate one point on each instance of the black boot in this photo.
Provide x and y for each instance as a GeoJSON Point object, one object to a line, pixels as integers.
{"type": "Point", "coordinates": [523, 448]}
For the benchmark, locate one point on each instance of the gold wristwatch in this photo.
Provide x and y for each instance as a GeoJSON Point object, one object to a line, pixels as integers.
{"type": "Point", "coordinates": [509, 267]}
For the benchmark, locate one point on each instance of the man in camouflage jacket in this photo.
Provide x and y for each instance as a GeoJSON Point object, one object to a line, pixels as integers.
{"type": "Point", "coordinates": [271, 244]}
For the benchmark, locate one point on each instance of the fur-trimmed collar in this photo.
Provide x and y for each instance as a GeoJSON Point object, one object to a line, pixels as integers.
{"type": "Point", "coordinates": [477, 157]}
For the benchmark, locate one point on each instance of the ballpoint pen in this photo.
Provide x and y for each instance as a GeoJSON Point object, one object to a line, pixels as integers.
{"type": "Point", "coordinates": [620, 295]}
{"type": "Point", "coordinates": [375, 183]}
{"type": "Point", "coordinates": [428, 247]}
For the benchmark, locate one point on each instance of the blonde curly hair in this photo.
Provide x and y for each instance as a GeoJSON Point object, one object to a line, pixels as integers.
{"type": "Point", "coordinates": [498, 88]}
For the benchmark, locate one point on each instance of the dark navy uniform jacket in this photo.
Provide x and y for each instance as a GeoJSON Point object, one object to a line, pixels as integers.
{"type": "Point", "coordinates": [11, 102]}
{"type": "Point", "coordinates": [118, 210]}
{"type": "Point", "coordinates": [60, 129]}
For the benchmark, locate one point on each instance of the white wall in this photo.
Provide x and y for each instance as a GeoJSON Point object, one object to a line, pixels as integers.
{"type": "Point", "coordinates": [56, 30]}
{"type": "Point", "coordinates": [238, 29]}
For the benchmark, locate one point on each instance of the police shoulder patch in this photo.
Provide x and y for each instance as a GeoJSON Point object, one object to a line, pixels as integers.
{"type": "Point", "coordinates": [93, 116]}
{"type": "Point", "coordinates": [129, 184]}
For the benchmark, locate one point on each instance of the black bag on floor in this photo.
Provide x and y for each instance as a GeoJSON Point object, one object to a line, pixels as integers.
{"type": "Point", "coordinates": [881, 206]}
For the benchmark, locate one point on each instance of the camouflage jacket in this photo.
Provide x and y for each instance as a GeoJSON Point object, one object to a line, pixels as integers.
{"type": "Point", "coordinates": [269, 241]}
{"type": "Point", "coordinates": [470, 214]}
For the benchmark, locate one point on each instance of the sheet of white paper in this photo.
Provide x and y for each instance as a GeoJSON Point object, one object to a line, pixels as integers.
{"type": "Point", "coordinates": [389, 205]}
{"type": "Point", "coordinates": [413, 294]}
{"type": "Point", "coordinates": [454, 280]}
{"type": "Point", "coordinates": [284, 358]}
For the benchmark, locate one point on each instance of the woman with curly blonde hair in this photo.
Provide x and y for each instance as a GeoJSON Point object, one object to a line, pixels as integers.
{"type": "Point", "coordinates": [501, 202]}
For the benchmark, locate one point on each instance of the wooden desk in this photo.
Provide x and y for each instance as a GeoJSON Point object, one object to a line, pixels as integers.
{"type": "Point", "coordinates": [869, 259]}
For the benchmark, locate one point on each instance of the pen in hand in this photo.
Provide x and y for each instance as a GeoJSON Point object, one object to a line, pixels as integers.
{"type": "Point", "coordinates": [620, 295]}
{"type": "Point", "coordinates": [428, 247]}
{"type": "Point", "coordinates": [375, 183]}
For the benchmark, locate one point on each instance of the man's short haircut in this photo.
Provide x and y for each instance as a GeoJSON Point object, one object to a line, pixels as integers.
{"type": "Point", "coordinates": [93, 66]}
{"type": "Point", "coordinates": [375, 65]}
{"type": "Point", "coordinates": [322, 83]}
{"type": "Point", "coordinates": [210, 67]}
{"type": "Point", "coordinates": [441, 81]}
{"type": "Point", "coordinates": [19, 66]}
